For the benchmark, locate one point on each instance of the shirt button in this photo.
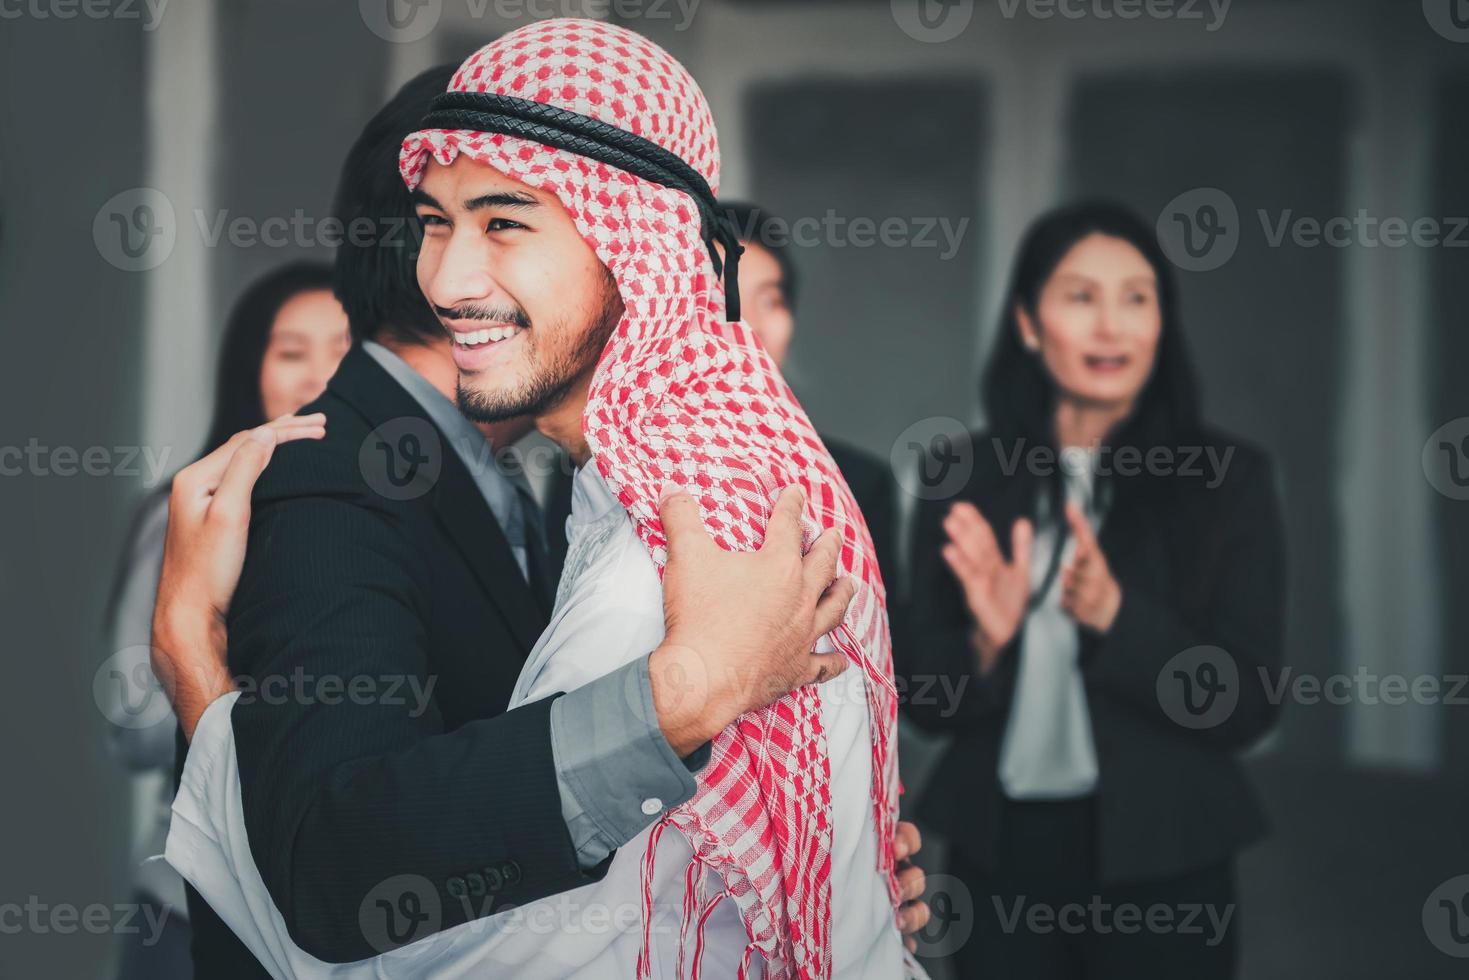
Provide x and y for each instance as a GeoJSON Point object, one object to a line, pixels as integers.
{"type": "Point", "coordinates": [652, 806]}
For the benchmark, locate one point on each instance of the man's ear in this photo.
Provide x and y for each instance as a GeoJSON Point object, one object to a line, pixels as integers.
{"type": "Point", "coordinates": [1029, 337]}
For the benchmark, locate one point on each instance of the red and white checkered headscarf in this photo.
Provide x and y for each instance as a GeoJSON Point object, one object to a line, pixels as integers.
{"type": "Point", "coordinates": [681, 397]}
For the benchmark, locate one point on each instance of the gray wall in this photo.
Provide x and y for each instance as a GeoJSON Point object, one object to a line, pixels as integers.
{"type": "Point", "coordinates": [296, 83]}
{"type": "Point", "coordinates": [71, 136]}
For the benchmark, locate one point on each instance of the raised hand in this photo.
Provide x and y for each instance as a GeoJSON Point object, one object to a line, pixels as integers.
{"type": "Point", "coordinates": [203, 553]}
{"type": "Point", "coordinates": [1089, 593]}
{"type": "Point", "coordinates": [741, 626]}
{"type": "Point", "coordinates": [997, 591]}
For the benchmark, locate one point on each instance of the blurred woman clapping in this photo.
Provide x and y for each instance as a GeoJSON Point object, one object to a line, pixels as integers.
{"type": "Point", "coordinates": [1106, 595]}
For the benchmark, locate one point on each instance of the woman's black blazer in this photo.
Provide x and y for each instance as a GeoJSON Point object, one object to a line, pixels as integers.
{"type": "Point", "coordinates": [1196, 543]}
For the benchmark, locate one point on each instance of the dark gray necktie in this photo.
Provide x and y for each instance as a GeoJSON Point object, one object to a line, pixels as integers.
{"type": "Point", "coordinates": [529, 532]}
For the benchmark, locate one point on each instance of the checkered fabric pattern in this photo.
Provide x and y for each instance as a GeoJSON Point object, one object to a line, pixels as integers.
{"type": "Point", "coordinates": [682, 398]}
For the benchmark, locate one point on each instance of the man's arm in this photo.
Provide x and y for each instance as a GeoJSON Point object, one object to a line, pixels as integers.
{"type": "Point", "coordinates": [348, 774]}
{"type": "Point", "coordinates": [613, 761]}
{"type": "Point", "coordinates": [345, 797]}
{"type": "Point", "coordinates": [203, 552]}
{"type": "Point", "coordinates": [343, 790]}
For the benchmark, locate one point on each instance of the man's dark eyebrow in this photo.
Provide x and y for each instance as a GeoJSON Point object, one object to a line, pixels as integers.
{"type": "Point", "coordinates": [501, 199]}
{"type": "Point", "coordinates": [518, 200]}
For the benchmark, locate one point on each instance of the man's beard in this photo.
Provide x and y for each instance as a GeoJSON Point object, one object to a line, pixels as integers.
{"type": "Point", "coordinates": [551, 382]}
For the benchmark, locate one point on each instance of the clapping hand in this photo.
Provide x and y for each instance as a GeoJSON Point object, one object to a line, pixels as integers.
{"type": "Point", "coordinates": [1089, 593]}
{"type": "Point", "coordinates": [997, 591]}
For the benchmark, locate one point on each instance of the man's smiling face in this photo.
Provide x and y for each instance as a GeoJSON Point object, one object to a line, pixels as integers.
{"type": "Point", "coordinates": [526, 301]}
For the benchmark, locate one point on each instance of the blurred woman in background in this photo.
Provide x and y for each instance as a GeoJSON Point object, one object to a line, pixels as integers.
{"type": "Point", "coordinates": [1106, 597]}
{"type": "Point", "coordinates": [284, 339]}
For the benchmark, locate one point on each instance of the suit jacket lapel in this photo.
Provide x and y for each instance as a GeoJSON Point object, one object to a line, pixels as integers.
{"type": "Point", "coordinates": [458, 504]}
{"type": "Point", "coordinates": [471, 525]}
{"type": "Point", "coordinates": [1124, 529]}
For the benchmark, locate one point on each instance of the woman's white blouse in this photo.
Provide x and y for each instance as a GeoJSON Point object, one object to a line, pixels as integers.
{"type": "Point", "coordinates": [1048, 752]}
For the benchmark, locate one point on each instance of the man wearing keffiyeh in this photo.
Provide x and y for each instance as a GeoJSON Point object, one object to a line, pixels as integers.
{"type": "Point", "coordinates": [566, 184]}
{"type": "Point", "coordinates": [659, 387]}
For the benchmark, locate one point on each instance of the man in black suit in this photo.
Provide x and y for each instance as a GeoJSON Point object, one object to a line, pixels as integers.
{"type": "Point", "coordinates": [396, 553]}
{"type": "Point", "coordinates": [480, 609]}
{"type": "Point", "coordinates": [768, 305]}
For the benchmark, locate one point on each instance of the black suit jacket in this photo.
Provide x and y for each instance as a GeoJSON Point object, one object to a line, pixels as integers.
{"type": "Point", "coordinates": [350, 575]}
{"type": "Point", "coordinates": [1197, 565]}
{"type": "Point", "coordinates": [871, 484]}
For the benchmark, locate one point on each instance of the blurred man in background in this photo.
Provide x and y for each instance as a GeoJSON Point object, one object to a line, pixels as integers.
{"type": "Point", "coordinates": [768, 305]}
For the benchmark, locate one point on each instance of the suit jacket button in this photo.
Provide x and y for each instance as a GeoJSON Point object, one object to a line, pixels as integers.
{"type": "Point", "coordinates": [495, 879]}
{"type": "Point", "coordinates": [476, 884]}
{"type": "Point", "coordinates": [511, 871]}
{"type": "Point", "coordinates": [456, 887]}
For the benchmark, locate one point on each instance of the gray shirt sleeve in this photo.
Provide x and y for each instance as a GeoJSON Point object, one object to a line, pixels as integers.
{"type": "Point", "coordinates": [616, 771]}
{"type": "Point", "coordinates": [140, 746]}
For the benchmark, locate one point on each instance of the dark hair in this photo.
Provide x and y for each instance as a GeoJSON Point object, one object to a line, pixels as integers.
{"type": "Point", "coordinates": [756, 225]}
{"type": "Point", "coordinates": [375, 278]}
{"type": "Point", "coordinates": [237, 401]}
{"type": "Point", "coordinates": [1019, 394]}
